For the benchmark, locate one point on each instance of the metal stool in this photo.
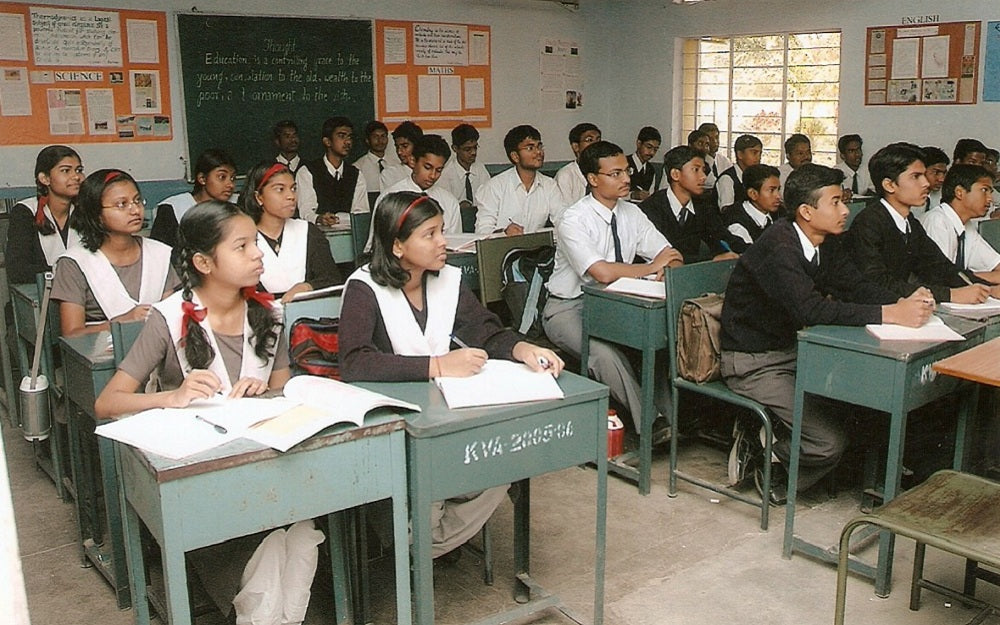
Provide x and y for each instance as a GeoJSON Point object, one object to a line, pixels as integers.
{"type": "Point", "coordinates": [955, 512]}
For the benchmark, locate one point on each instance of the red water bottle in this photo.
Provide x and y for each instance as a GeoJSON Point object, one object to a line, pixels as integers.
{"type": "Point", "coordinates": [616, 435]}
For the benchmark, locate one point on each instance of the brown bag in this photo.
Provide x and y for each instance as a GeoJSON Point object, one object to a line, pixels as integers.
{"type": "Point", "coordinates": [698, 342]}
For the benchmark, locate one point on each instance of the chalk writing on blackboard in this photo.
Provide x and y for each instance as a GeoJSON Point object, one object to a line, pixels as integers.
{"type": "Point", "coordinates": [70, 37]}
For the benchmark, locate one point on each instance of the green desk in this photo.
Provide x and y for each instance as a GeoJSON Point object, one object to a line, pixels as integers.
{"type": "Point", "coordinates": [848, 364]}
{"type": "Point", "coordinates": [242, 487]}
{"type": "Point", "coordinates": [341, 244]}
{"type": "Point", "coordinates": [89, 364]}
{"type": "Point", "coordinates": [453, 452]}
{"type": "Point", "coordinates": [640, 323]}
{"type": "Point", "coordinates": [468, 262]}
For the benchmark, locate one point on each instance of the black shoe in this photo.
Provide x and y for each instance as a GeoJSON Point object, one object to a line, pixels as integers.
{"type": "Point", "coordinates": [743, 455]}
{"type": "Point", "coordinates": [661, 431]}
{"type": "Point", "coordinates": [779, 484]}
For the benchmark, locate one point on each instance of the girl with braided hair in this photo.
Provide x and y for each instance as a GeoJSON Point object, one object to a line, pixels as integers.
{"type": "Point", "coordinates": [219, 335]}
{"type": "Point", "coordinates": [115, 274]}
{"type": "Point", "coordinates": [39, 226]}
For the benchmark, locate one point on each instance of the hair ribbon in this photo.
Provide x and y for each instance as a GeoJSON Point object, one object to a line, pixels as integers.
{"type": "Point", "coordinates": [43, 201]}
{"type": "Point", "coordinates": [406, 211]}
{"type": "Point", "coordinates": [263, 298]}
{"type": "Point", "coordinates": [273, 169]}
{"type": "Point", "coordinates": [192, 313]}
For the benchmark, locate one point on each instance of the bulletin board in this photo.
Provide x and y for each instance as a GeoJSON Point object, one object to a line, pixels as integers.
{"type": "Point", "coordinates": [77, 75]}
{"type": "Point", "coordinates": [437, 75]}
{"type": "Point", "coordinates": [926, 64]}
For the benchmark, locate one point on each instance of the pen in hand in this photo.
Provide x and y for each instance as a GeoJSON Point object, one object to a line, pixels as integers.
{"type": "Point", "coordinates": [459, 342]}
{"type": "Point", "coordinates": [218, 428]}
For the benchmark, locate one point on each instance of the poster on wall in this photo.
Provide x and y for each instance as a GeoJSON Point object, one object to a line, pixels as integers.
{"type": "Point", "coordinates": [561, 79]}
{"type": "Point", "coordinates": [991, 73]}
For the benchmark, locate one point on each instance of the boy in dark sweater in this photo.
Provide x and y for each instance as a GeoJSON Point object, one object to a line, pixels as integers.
{"type": "Point", "coordinates": [795, 276]}
{"type": "Point", "coordinates": [891, 247]}
{"type": "Point", "coordinates": [747, 220]}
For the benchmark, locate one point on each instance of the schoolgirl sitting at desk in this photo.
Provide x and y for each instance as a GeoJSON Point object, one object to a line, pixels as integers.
{"type": "Point", "coordinates": [400, 315]}
{"type": "Point", "coordinates": [297, 256]}
{"type": "Point", "coordinates": [114, 275]}
{"type": "Point", "coordinates": [219, 335]}
{"type": "Point", "coordinates": [214, 179]}
{"type": "Point", "coordinates": [39, 226]}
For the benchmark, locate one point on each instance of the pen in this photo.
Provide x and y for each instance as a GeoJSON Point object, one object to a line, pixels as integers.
{"type": "Point", "coordinates": [218, 428]}
{"type": "Point", "coordinates": [725, 246]}
{"type": "Point", "coordinates": [544, 362]}
{"type": "Point", "coordinates": [459, 342]}
{"type": "Point", "coordinates": [965, 278]}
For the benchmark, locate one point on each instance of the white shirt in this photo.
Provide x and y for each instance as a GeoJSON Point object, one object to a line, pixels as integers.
{"type": "Point", "coordinates": [897, 219]}
{"type": "Point", "coordinates": [783, 170]}
{"type": "Point", "coordinates": [453, 179]}
{"type": "Point", "coordinates": [368, 165]}
{"type": "Point", "coordinates": [715, 165]}
{"type": "Point", "coordinates": [504, 200]}
{"type": "Point", "coordinates": [572, 184]}
{"type": "Point", "coordinates": [448, 202]}
{"type": "Point", "coordinates": [758, 216]}
{"type": "Point", "coordinates": [725, 188]}
{"type": "Point", "coordinates": [808, 249]}
{"type": "Point", "coordinates": [943, 225]}
{"type": "Point", "coordinates": [584, 235]}
{"type": "Point", "coordinates": [292, 164]}
{"type": "Point", "coordinates": [864, 180]}
{"type": "Point", "coordinates": [392, 175]}
{"type": "Point", "coordinates": [308, 201]}
{"type": "Point", "coordinates": [676, 207]}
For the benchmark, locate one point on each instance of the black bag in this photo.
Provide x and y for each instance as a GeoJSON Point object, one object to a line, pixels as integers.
{"type": "Point", "coordinates": [314, 347]}
{"type": "Point", "coordinates": [524, 273]}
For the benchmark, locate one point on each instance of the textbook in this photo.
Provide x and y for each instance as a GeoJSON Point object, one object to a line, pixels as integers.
{"type": "Point", "coordinates": [309, 405]}
{"type": "Point", "coordinates": [655, 289]}
{"type": "Point", "coordinates": [934, 331]}
{"type": "Point", "coordinates": [337, 289]}
{"type": "Point", "coordinates": [499, 382]}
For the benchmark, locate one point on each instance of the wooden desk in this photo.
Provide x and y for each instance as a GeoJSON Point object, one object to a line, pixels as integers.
{"type": "Point", "coordinates": [979, 364]}
{"type": "Point", "coordinates": [242, 488]}
{"type": "Point", "coordinates": [89, 364]}
{"type": "Point", "coordinates": [895, 377]}
{"type": "Point", "coordinates": [453, 452]}
{"type": "Point", "coordinates": [640, 323]}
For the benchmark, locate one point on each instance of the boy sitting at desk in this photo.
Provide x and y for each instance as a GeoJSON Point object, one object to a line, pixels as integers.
{"type": "Point", "coordinates": [329, 185]}
{"type": "Point", "coordinates": [404, 137]}
{"type": "Point", "coordinates": [794, 276]}
{"type": "Point", "coordinates": [674, 213]}
{"type": "Point", "coordinates": [463, 175]}
{"type": "Point", "coordinates": [598, 238]}
{"type": "Point", "coordinates": [374, 162]}
{"type": "Point", "coordinates": [643, 174]}
{"type": "Point", "coordinates": [748, 220]}
{"type": "Point", "coordinates": [936, 162]}
{"type": "Point", "coordinates": [729, 188]}
{"type": "Point", "coordinates": [888, 243]}
{"type": "Point", "coordinates": [967, 194]}
{"type": "Point", "coordinates": [571, 180]}
{"type": "Point", "coordinates": [286, 141]}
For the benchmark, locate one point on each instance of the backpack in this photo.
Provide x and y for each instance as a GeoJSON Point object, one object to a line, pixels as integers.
{"type": "Point", "coordinates": [314, 347]}
{"type": "Point", "coordinates": [698, 341]}
{"type": "Point", "coordinates": [524, 272]}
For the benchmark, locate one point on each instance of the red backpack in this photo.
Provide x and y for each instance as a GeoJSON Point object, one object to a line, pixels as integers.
{"type": "Point", "coordinates": [314, 347]}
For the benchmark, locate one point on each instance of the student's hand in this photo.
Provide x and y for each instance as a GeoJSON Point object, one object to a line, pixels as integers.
{"type": "Point", "coordinates": [639, 195]}
{"type": "Point", "coordinates": [725, 256]}
{"type": "Point", "coordinates": [139, 313]}
{"type": "Point", "coordinates": [538, 358]}
{"type": "Point", "coordinates": [513, 230]}
{"type": "Point", "coordinates": [972, 294]}
{"type": "Point", "coordinates": [248, 387]}
{"type": "Point", "coordinates": [995, 291]}
{"type": "Point", "coordinates": [199, 384]}
{"type": "Point", "coordinates": [912, 311]}
{"type": "Point", "coordinates": [461, 363]}
{"type": "Point", "coordinates": [668, 257]}
{"type": "Point", "coordinates": [846, 197]}
{"type": "Point", "coordinates": [301, 287]}
{"type": "Point", "coordinates": [465, 204]}
{"type": "Point", "coordinates": [328, 219]}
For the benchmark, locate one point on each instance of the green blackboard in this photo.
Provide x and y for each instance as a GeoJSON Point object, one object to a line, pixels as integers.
{"type": "Point", "coordinates": [241, 74]}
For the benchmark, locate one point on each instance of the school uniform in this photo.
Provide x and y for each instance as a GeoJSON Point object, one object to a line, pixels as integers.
{"type": "Point", "coordinates": [729, 187]}
{"type": "Point", "coordinates": [29, 252]}
{"type": "Point", "coordinates": [169, 213]}
{"type": "Point", "coordinates": [292, 164]}
{"type": "Point", "coordinates": [585, 237]}
{"type": "Point", "coordinates": [896, 253]}
{"type": "Point", "coordinates": [454, 177]}
{"type": "Point", "coordinates": [324, 188]}
{"type": "Point", "coordinates": [371, 165]}
{"type": "Point", "coordinates": [857, 182]}
{"type": "Point", "coordinates": [384, 338]}
{"type": "Point", "coordinates": [505, 200]}
{"type": "Point", "coordinates": [643, 175]}
{"type": "Point", "coordinates": [960, 243]}
{"type": "Point", "coordinates": [301, 253]}
{"type": "Point", "coordinates": [933, 201]}
{"type": "Point", "coordinates": [745, 222]}
{"type": "Point", "coordinates": [572, 184]}
{"type": "Point", "coordinates": [686, 227]}
{"type": "Point", "coordinates": [119, 288]}
{"type": "Point", "coordinates": [780, 285]}
{"type": "Point", "coordinates": [265, 576]}
{"type": "Point", "coordinates": [392, 175]}
{"type": "Point", "coordinates": [448, 202]}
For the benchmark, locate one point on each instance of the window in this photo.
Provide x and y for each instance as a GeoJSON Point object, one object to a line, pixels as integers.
{"type": "Point", "coordinates": [770, 86]}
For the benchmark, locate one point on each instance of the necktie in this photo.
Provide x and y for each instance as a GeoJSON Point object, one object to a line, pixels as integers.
{"type": "Point", "coordinates": [683, 217]}
{"type": "Point", "coordinates": [854, 183]}
{"type": "Point", "coordinates": [618, 242]}
{"type": "Point", "coordinates": [767, 221]}
{"type": "Point", "coordinates": [381, 165]}
{"type": "Point", "coordinates": [715, 170]}
{"type": "Point", "coordinates": [906, 235]}
{"type": "Point", "coordinates": [814, 263]}
{"type": "Point", "coordinates": [468, 187]}
{"type": "Point", "coordinates": [960, 255]}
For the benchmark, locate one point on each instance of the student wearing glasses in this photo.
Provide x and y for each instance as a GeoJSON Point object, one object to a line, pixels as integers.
{"type": "Point", "coordinates": [115, 275]}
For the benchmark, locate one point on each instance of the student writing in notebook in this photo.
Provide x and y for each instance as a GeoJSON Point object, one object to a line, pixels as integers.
{"type": "Point", "coordinates": [404, 312]}
{"type": "Point", "coordinates": [218, 335]}
{"type": "Point", "coordinates": [296, 253]}
{"type": "Point", "coordinates": [115, 274]}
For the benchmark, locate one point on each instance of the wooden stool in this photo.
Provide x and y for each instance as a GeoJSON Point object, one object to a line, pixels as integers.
{"type": "Point", "coordinates": [955, 512]}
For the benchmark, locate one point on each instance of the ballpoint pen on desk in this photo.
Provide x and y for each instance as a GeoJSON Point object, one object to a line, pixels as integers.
{"type": "Point", "coordinates": [218, 428]}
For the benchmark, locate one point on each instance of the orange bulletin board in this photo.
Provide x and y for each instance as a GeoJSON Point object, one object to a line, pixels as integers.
{"type": "Point", "coordinates": [926, 64]}
{"type": "Point", "coordinates": [435, 74]}
{"type": "Point", "coordinates": [77, 75]}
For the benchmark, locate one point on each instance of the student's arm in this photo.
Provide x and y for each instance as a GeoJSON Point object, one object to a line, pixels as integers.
{"type": "Point", "coordinates": [726, 191]}
{"type": "Point", "coordinates": [452, 213]}
{"type": "Point", "coordinates": [307, 201]}
{"type": "Point", "coordinates": [871, 241]}
{"type": "Point", "coordinates": [934, 269]}
{"type": "Point", "coordinates": [359, 204]}
{"type": "Point", "coordinates": [739, 238]}
{"type": "Point", "coordinates": [24, 254]}
{"type": "Point", "coordinates": [714, 234]}
{"type": "Point", "coordinates": [488, 199]}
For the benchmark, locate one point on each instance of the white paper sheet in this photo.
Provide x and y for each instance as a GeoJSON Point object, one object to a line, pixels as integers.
{"type": "Point", "coordinates": [143, 41]}
{"type": "Point", "coordinates": [499, 382]}
{"type": "Point", "coordinates": [428, 94]}
{"type": "Point", "coordinates": [397, 93]}
{"type": "Point", "coordinates": [637, 286]}
{"type": "Point", "coordinates": [13, 39]}
{"type": "Point", "coordinates": [933, 331]}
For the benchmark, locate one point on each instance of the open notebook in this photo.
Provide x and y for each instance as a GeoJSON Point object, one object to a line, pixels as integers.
{"type": "Point", "coordinates": [934, 330]}
{"type": "Point", "coordinates": [499, 382]}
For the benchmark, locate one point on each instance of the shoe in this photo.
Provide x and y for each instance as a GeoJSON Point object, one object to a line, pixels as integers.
{"type": "Point", "coordinates": [779, 484]}
{"type": "Point", "coordinates": [661, 431]}
{"type": "Point", "coordinates": [742, 456]}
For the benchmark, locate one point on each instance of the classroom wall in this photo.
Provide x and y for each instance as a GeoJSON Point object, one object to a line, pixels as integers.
{"type": "Point", "coordinates": [653, 26]}
{"type": "Point", "coordinates": [517, 28]}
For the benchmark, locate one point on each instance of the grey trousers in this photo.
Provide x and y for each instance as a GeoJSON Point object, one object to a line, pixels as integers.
{"type": "Point", "coordinates": [769, 378]}
{"type": "Point", "coordinates": [562, 320]}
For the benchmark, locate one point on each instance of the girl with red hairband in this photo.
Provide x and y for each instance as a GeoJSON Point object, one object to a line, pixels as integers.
{"type": "Point", "coordinates": [400, 316]}
{"type": "Point", "coordinates": [214, 179]}
{"type": "Point", "coordinates": [114, 275]}
{"type": "Point", "coordinates": [39, 226]}
{"type": "Point", "coordinates": [296, 253]}
{"type": "Point", "coordinates": [219, 335]}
